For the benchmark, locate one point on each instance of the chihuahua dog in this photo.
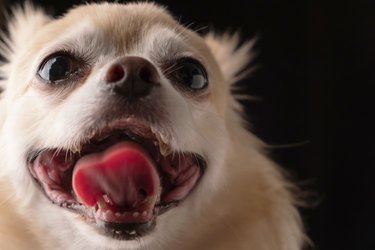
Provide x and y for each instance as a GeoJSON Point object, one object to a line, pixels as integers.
{"type": "Point", "coordinates": [118, 130]}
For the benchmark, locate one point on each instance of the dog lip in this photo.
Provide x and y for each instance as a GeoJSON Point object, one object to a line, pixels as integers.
{"type": "Point", "coordinates": [120, 130]}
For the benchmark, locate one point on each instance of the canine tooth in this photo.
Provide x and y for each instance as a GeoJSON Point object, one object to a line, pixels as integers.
{"type": "Point", "coordinates": [118, 214]}
{"type": "Point", "coordinates": [165, 149]}
{"type": "Point", "coordinates": [163, 138]}
{"type": "Point", "coordinates": [151, 200]}
{"type": "Point", "coordinates": [101, 203]}
{"type": "Point", "coordinates": [160, 137]}
{"type": "Point", "coordinates": [107, 199]}
{"type": "Point", "coordinates": [135, 214]}
{"type": "Point", "coordinates": [144, 213]}
{"type": "Point", "coordinates": [76, 149]}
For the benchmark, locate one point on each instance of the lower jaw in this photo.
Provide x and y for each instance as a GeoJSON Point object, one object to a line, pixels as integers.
{"type": "Point", "coordinates": [125, 231]}
{"type": "Point", "coordinates": [120, 231]}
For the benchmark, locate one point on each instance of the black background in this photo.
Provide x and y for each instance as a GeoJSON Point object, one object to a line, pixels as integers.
{"type": "Point", "coordinates": [317, 60]}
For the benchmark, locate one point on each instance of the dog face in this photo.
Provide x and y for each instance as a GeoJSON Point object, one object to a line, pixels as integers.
{"type": "Point", "coordinates": [114, 128]}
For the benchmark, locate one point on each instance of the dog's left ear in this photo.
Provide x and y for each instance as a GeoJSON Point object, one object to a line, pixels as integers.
{"type": "Point", "coordinates": [232, 56]}
{"type": "Point", "coordinates": [23, 22]}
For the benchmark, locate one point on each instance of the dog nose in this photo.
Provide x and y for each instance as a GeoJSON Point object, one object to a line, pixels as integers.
{"type": "Point", "coordinates": [132, 77]}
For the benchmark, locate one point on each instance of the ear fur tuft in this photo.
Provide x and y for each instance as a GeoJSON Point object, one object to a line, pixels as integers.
{"type": "Point", "coordinates": [23, 22]}
{"type": "Point", "coordinates": [232, 56]}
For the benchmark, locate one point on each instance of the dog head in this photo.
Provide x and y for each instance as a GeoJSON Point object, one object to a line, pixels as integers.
{"type": "Point", "coordinates": [114, 121]}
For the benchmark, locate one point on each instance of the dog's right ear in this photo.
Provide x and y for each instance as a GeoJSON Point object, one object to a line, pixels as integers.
{"type": "Point", "coordinates": [23, 22]}
{"type": "Point", "coordinates": [232, 56]}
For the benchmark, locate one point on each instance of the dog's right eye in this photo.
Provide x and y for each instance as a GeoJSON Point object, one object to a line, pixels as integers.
{"type": "Point", "coordinates": [57, 68]}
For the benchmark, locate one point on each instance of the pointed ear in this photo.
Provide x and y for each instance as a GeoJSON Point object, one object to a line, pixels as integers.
{"type": "Point", "coordinates": [23, 22]}
{"type": "Point", "coordinates": [232, 56]}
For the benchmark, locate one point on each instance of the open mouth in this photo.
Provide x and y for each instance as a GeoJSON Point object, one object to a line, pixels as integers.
{"type": "Point", "coordinates": [120, 179]}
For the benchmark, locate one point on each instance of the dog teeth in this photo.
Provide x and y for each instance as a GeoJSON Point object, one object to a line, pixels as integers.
{"type": "Point", "coordinates": [110, 215]}
{"type": "Point", "coordinates": [163, 138]}
{"type": "Point", "coordinates": [101, 203]}
{"type": "Point", "coordinates": [107, 199]}
{"type": "Point", "coordinates": [76, 149]}
{"type": "Point", "coordinates": [132, 232]}
{"type": "Point", "coordinates": [151, 200]}
{"type": "Point", "coordinates": [165, 149]}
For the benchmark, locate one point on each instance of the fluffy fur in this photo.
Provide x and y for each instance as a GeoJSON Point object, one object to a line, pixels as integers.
{"type": "Point", "coordinates": [243, 200]}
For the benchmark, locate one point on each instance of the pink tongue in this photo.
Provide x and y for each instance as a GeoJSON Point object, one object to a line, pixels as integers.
{"type": "Point", "coordinates": [123, 173]}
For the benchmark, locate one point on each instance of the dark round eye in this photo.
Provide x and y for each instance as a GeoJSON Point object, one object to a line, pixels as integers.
{"type": "Point", "coordinates": [190, 74]}
{"type": "Point", "coordinates": [57, 68]}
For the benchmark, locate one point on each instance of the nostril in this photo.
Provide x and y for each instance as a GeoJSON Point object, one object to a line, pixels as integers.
{"type": "Point", "coordinates": [148, 74]}
{"type": "Point", "coordinates": [145, 74]}
{"type": "Point", "coordinates": [115, 73]}
{"type": "Point", "coordinates": [132, 77]}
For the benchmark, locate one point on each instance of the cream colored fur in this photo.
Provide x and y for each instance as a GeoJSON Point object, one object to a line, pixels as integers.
{"type": "Point", "coordinates": [242, 203]}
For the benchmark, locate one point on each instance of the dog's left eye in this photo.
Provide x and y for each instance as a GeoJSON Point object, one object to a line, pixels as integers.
{"type": "Point", "coordinates": [57, 67]}
{"type": "Point", "coordinates": [189, 74]}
